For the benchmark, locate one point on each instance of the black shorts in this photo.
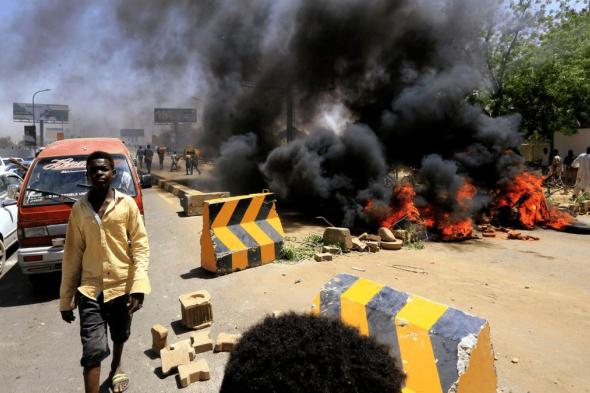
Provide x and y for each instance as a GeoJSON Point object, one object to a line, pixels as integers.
{"type": "Point", "coordinates": [95, 315]}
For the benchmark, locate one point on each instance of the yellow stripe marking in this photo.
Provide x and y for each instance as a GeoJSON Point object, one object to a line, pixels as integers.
{"type": "Point", "coordinates": [276, 224]}
{"type": "Point", "coordinates": [239, 260]}
{"type": "Point", "coordinates": [412, 325]}
{"type": "Point", "coordinates": [353, 302]}
{"type": "Point", "coordinates": [267, 246]}
{"type": "Point", "coordinates": [315, 310]}
{"type": "Point", "coordinates": [225, 214]}
{"type": "Point", "coordinates": [257, 233]}
{"type": "Point", "coordinates": [253, 209]}
{"type": "Point", "coordinates": [229, 239]}
{"type": "Point", "coordinates": [267, 253]}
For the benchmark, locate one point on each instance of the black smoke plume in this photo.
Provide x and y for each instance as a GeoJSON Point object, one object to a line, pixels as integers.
{"type": "Point", "coordinates": [401, 70]}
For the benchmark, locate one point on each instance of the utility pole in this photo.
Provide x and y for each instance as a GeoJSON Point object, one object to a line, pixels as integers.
{"type": "Point", "coordinates": [41, 122]}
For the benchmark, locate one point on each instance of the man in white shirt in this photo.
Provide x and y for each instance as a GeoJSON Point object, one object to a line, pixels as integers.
{"type": "Point", "coordinates": [583, 175]}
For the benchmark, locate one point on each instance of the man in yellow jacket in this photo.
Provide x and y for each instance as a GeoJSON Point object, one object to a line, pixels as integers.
{"type": "Point", "coordinates": [104, 271]}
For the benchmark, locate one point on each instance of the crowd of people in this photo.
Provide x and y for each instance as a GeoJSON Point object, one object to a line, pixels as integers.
{"type": "Point", "coordinates": [568, 171]}
{"type": "Point", "coordinates": [144, 157]}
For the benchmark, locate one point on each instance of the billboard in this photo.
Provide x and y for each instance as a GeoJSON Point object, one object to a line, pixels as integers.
{"type": "Point", "coordinates": [174, 115]}
{"type": "Point", "coordinates": [30, 136]}
{"type": "Point", "coordinates": [47, 112]}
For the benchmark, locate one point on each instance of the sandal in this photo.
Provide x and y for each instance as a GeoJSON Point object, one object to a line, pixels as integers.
{"type": "Point", "coordinates": [120, 382]}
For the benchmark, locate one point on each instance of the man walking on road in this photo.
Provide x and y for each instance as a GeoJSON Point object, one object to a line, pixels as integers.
{"type": "Point", "coordinates": [161, 151]}
{"type": "Point", "coordinates": [139, 157]}
{"type": "Point", "coordinates": [149, 155]}
{"type": "Point", "coordinates": [104, 271]}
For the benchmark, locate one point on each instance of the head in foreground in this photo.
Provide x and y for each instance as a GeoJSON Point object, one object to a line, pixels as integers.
{"type": "Point", "coordinates": [302, 353]}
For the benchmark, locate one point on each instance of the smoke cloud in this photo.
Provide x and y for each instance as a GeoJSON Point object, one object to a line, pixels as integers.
{"type": "Point", "coordinates": [393, 77]}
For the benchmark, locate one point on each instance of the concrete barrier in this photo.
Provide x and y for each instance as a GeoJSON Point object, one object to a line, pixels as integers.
{"type": "Point", "coordinates": [441, 349]}
{"type": "Point", "coordinates": [191, 201]}
{"type": "Point", "coordinates": [240, 232]}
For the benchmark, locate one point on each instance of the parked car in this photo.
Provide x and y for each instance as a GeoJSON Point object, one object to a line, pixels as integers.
{"type": "Point", "coordinates": [55, 180]}
{"type": "Point", "coordinates": [10, 184]}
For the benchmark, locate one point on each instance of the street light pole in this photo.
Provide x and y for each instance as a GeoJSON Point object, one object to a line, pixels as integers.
{"type": "Point", "coordinates": [33, 100]}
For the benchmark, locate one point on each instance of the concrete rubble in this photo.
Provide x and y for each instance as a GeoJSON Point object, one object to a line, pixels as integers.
{"type": "Point", "coordinates": [322, 257]}
{"type": "Point", "coordinates": [331, 249]}
{"type": "Point", "coordinates": [373, 246]}
{"type": "Point", "coordinates": [338, 236]}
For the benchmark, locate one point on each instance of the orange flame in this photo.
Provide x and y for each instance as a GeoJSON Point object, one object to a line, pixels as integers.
{"type": "Point", "coordinates": [525, 194]}
{"type": "Point", "coordinates": [402, 206]}
{"type": "Point", "coordinates": [452, 228]}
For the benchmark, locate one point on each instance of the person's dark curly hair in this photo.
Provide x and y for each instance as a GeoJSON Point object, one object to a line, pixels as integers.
{"type": "Point", "coordinates": [95, 155]}
{"type": "Point", "coordinates": [302, 353]}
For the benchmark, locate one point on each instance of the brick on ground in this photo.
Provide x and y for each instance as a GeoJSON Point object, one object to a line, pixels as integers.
{"type": "Point", "coordinates": [193, 372]}
{"type": "Point", "coordinates": [171, 359]}
{"type": "Point", "coordinates": [323, 256]}
{"type": "Point", "coordinates": [358, 245]}
{"type": "Point", "coordinates": [182, 345]}
{"type": "Point", "coordinates": [225, 342]}
{"type": "Point", "coordinates": [201, 342]}
{"type": "Point", "coordinates": [159, 338]}
{"type": "Point", "coordinates": [331, 249]}
{"type": "Point", "coordinates": [373, 246]}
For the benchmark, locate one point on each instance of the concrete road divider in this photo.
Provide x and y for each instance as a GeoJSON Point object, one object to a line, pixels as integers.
{"type": "Point", "coordinates": [441, 349]}
{"type": "Point", "coordinates": [240, 232]}
{"type": "Point", "coordinates": [192, 201]}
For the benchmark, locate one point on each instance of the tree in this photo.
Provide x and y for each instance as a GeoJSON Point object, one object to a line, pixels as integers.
{"type": "Point", "coordinates": [549, 84]}
{"type": "Point", "coordinates": [537, 61]}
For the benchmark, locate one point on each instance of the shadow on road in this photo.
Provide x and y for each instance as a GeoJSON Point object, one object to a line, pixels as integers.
{"type": "Point", "coordinates": [198, 272]}
{"type": "Point", "coordinates": [16, 289]}
{"type": "Point", "coordinates": [179, 328]}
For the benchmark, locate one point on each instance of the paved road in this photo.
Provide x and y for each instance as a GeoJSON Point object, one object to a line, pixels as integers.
{"type": "Point", "coordinates": [41, 353]}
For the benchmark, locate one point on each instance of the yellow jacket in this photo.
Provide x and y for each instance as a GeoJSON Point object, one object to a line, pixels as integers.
{"type": "Point", "coordinates": [109, 254]}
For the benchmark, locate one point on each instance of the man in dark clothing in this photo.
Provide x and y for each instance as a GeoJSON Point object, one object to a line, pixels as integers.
{"type": "Point", "coordinates": [149, 155]}
{"type": "Point", "coordinates": [161, 151]}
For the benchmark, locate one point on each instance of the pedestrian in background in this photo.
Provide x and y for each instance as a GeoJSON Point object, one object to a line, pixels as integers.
{"type": "Point", "coordinates": [545, 162]}
{"type": "Point", "coordinates": [139, 157]}
{"type": "Point", "coordinates": [149, 155]}
{"type": "Point", "coordinates": [174, 159]}
{"type": "Point", "coordinates": [582, 162]}
{"type": "Point", "coordinates": [104, 271]}
{"type": "Point", "coordinates": [188, 158]}
{"type": "Point", "coordinates": [195, 162]}
{"type": "Point", "coordinates": [161, 151]}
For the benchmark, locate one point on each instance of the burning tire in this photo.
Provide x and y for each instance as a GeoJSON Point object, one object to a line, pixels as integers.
{"type": "Point", "coordinates": [577, 227]}
{"type": "Point", "coordinates": [394, 245]}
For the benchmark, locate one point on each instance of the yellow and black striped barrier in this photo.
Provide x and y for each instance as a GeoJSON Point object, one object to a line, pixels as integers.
{"type": "Point", "coordinates": [441, 349]}
{"type": "Point", "coordinates": [240, 232]}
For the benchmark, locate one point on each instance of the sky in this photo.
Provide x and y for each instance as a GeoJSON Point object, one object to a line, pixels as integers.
{"type": "Point", "coordinates": [80, 50]}
{"type": "Point", "coordinates": [77, 50]}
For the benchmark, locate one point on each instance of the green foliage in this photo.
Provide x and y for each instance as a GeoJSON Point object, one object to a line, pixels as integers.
{"type": "Point", "coordinates": [294, 250]}
{"type": "Point", "coordinates": [539, 64]}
